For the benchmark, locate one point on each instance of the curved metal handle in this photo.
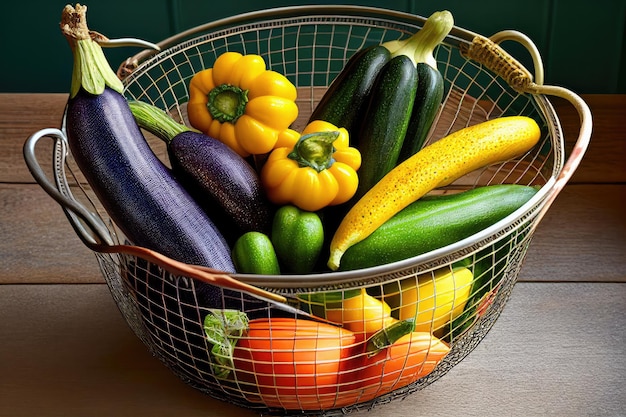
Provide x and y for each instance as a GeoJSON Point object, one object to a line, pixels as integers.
{"type": "Point", "coordinates": [88, 225]}
{"type": "Point", "coordinates": [488, 52]}
{"type": "Point", "coordinates": [96, 236]}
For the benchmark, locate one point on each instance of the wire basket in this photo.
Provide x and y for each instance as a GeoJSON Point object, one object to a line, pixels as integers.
{"type": "Point", "coordinates": [158, 297]}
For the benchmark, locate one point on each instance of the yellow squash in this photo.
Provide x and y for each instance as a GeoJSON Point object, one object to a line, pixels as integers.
{"type": "Point", "coordinates": [435, 299]}
{"type": "Point", "coordinates": [434, 166]}
{"type": "Point", "coordinates": [361, 314]}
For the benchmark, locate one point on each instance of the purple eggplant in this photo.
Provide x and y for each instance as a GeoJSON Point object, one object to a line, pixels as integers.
{"type": "Point", "coordinates": [223, 182]}
{"type": "Point", "coordinates": [140, 194]}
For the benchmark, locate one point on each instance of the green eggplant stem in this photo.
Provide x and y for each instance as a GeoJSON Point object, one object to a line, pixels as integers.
{"type": "Point", "coordinates": [156, 121]}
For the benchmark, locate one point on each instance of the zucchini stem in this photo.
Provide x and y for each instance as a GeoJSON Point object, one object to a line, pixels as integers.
{"type": "Point", "coordinates": [421, 46]}
{"type": "Point", "coordinates": [91, 70]}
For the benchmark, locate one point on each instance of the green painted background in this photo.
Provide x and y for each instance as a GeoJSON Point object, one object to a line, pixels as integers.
{"type": "Point", "coordinates": [582, 42]}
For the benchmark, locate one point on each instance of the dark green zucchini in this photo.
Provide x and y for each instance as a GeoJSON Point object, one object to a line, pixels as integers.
{"type": "Point", "coordinates": [428, 99]}
{"type": "Point", "coordinates": [433, 222]}
{"type": "Point", "coordinates": [349, 92]}
{"type": "Point", "coordinates": [386, 120]}
{"type": "Point", "coordinates": [420, 48]}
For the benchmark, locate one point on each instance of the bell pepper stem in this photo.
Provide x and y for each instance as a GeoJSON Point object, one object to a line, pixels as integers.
{"type": "Point", "coordinates": [315, 150]}
{"type": "Point", "coordinates": [227, 103]}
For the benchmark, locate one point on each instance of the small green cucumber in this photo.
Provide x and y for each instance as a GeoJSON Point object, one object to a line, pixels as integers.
{"type": "Point", "coordinates": [253, 253]}
{"type": "Point", "coordinates": [298, 237]}
{"type": "Point", "coordinates": [433, 222]}
{"type": "Point", "coordinates": [348, 94]}
{"type": "Point", "coordinates": [386, 121]}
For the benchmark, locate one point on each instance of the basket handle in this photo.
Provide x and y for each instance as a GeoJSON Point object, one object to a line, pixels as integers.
{"type": "Point", "coordinates": [96, 236]}
{"type": "Point", "coordinates": [87, 224]}
{"type": "Point", "coordinates": [489, 53]}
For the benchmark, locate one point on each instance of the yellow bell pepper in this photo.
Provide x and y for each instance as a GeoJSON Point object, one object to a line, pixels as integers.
{"type": "Point", "coordinates": [319, 170]}
{"type": "Point", "coordinates": [241, 103]}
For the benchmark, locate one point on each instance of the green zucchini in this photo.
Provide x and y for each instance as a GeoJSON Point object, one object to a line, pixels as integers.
{"type": "Point", "coordinates": [349, 92]}
{"type": "Point", "coordinates": [433, 222]}
{"type": "Point", "coordinates": [298, 237]}
{"type": "Point", "coordinates": [253, 253]}
{"type": "Point", "coordinates": [420, 48]}
{"type": "Point", "coordinates": [428, 99]}
{"type": "Point", "coordinates": [386, 120]}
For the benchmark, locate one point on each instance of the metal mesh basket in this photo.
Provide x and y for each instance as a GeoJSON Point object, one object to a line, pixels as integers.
{"type": "Point", "coordinates": [310, 45]}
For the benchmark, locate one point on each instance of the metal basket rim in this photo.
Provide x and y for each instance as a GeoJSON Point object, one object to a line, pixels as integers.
{"type": "Point", "coordinates": [456, 37]}
{"type": "Point", "coordinates": [355, 277]}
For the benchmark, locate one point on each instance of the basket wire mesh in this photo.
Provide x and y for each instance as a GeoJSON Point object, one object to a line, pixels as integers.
{"type": "Point", "coordinates": [310, 46]}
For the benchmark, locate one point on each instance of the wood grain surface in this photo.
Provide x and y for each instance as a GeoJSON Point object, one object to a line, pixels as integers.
{"type": "Point", "coordinates": [557, 349]}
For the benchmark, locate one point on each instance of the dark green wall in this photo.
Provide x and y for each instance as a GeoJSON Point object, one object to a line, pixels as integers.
{"type": "Point", "coordinates": [582, 42]}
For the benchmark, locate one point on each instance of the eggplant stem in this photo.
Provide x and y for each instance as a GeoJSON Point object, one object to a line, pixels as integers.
{"type": "Point", "coordinates": [156, 121]}
{"type": "Point", "coordinates": [91, 70]}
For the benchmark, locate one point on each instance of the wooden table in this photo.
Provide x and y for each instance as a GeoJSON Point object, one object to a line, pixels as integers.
{"type": "Point", "coordinates": [557, 349]}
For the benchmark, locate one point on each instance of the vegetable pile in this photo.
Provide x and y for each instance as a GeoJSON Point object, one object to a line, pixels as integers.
{"type": "Point", "coordinates": [356, 188]}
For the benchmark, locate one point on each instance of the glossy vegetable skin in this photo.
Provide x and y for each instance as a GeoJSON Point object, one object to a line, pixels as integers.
{"type": "Point", "coordinates": [298, 237]}
{"type": "Point", "coordinates": [253, 253]}
{"type": "Point", "coordinates": [386, 120]}
{"type": "Point", "coordinates": [434, 299]}
{"type": "Point", "coordinates": [242, 103]}
{"type": "Point", "coordinates": [428, 98]}
{"type": "Point", "coordinates": [436, 221]}
{"type": "Point", "coordinates": [136, 189]}
{"type": "Point", "coordinates": [354, 310]}
{"type": "Point", "coordinates": [411, 357]}
{"type": "Point", "coordinates": [295, 363]}
{"type": "Point", "coordinates": [436, 165]}
{"type": "Point", "coordinates": [430, 88]}
{"type": "Point", "coordinates": [347, 96]}
{"type": "Point", "coordinates": [317, 171]}
{"type": "Point", "coordinates": [225, 185]}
